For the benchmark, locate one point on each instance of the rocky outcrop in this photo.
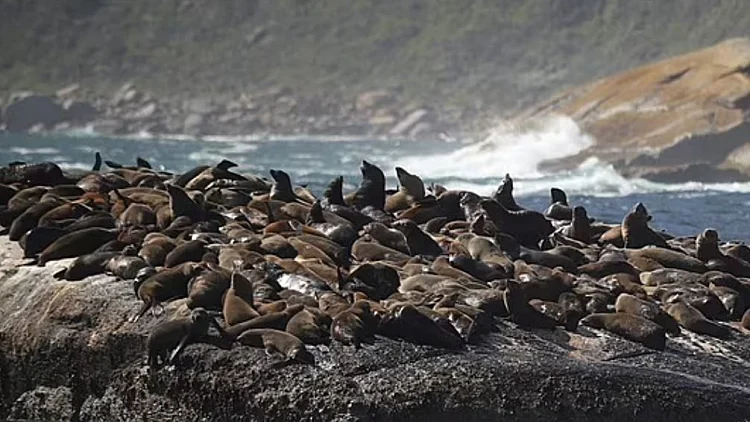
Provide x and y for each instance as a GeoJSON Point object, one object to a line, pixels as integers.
{"type": "Point", "coordinates": [67, 352]}
{"type": "Point", "coordinates": [682, 119]}
{"type": "Point", "coordinates": [278, 111]}
{"type": "Point", "coordinates": [33, 111]}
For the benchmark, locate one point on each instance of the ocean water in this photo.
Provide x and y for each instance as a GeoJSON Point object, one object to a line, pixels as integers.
{"type": "Point", "coordinates": [681, 209]}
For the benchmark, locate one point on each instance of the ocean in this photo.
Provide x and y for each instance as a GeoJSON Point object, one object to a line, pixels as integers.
{"type": "Point", "coordinates": [478, 165]}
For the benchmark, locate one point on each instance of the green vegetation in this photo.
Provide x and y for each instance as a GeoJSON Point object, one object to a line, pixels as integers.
{"type": "Point", "coordinates": [494, 54]}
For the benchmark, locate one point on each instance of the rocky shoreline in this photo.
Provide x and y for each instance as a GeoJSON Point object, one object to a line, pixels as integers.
{"type": "Point", "coordinates": [277, 110]}
{"type": "Point", "coordinates": [67, 353]}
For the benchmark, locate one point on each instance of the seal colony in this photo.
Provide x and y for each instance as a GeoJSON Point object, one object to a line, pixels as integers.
{"type": "Point", "coordinates": [269, 265]}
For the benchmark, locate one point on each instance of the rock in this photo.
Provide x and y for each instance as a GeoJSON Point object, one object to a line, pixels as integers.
{"type": "Point", "coordinates": [80, 112]}
{"type": "Point", "coordinates": [408, 122]}
{"type": "Point", "coordinates": [371, 99]}
{"type": "Point", "coordinates": [193, 123]}
{"type": "Point", "coordinates": [67, 344]}
{"type": "Point", "coordinates": [420, 129]}
{"type": "Point", "coordinates": [125, 94]}
{"type": "Point", "coordinates": [67, 91]}
{"type": "Point", "coordinates": [687, 112]}
{"type": "Point", "coordinates": [145, 112]}
{"type": "Point", "coordinates": [45, 404]}
{"type": "Point", "coordinates": [199, 105]}
{"type": "Point", "coordinates": [32, 110]}
{"type": "Point", "coordinates": [382, 120]}
{"type": "Point", "coordinates": [109, 127]}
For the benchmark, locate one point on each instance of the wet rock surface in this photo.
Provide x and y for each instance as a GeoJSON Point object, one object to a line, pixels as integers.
{"type": "Point", "coordinates": [70, 342]}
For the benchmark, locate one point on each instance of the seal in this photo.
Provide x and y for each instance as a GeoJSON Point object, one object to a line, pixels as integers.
{"type": "Point", "coordinates": [419, 242]}
{"type": "Point", "coordinates": [349, 327]}
{"type": "Point", "coordinates": [527, 227]}
{"type": "Point", "coordinates": [276, 342]}
{"type": "Point", "coordinates": [410, 190]}
{"type": "Point", "coordinates": [126, 266]}
{"type": "Point", "coordinates": [745, 323]}
{"type": "Point", "coordinates": [407, 322]}
{"type": "Point", "coordinates": [29, 219]}
{"type": "Point", "coordinates": [205, 289]}
{"type": "Point", "coordinates": [85, 266]}
{"type": "Point", "coordinates": [364, 250]}
{"type": "Point", "coordinates": [310, 325]}
{"type": "Point", "coordinates": [580, 226]}
{"type": "Point", "coordinates": [76, 244]}
{"type": "Point", "coordinates": [693, 320]}
{"type": "Point", "coordinates": [504, 194]}
{"type": "Point", "coordinates": [391, 238]}
{"type": "Point", "coordinates": [191, 251]}
{"type": "Point", "coordinates": [669, 259]}
{"type": "Point", "coordinates": [176, 334]}
{"type": "Point", "coordinates": [155, 249]}
{"type": "Point", "coordinates": [707, 250]}
{"type": "Point", "coordinates": [629, 304]}
{"type": "Point", "coordinates": [631, 327]}
{"type": "Point", "coordinates": [371, 191]}
{"type": "Point", "coordinates": [521, 312]}
{"type": "Point", "coordinates": [170, 283]}
{"type": "Point", "coordinates": [238, 301]}
{"type": "Point", "coordinates": [635, 230]}
{"type": "Point", "coordinates": [559, 208]}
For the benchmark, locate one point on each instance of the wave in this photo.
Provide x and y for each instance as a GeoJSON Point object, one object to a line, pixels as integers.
{"type": "Point", "coordinates": [518, 149]}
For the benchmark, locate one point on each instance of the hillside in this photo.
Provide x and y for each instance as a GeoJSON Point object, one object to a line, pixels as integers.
{"type": "Point", "coordinates": [489, 55]}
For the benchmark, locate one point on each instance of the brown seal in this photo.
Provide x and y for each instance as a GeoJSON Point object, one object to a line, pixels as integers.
{"type": "Point", "coordinates": [631, 327]}
{"type": "Point", "coordinates": [707, 250]}
{"type": "Point", "coordinates": [391, 238]}
{"type": "Point", "coordinates": [630, 304]}
{"type": "Point", "coordinates": [407, 322]}
{"type": "Point", "coordinates": [191, 251]}
{"type": "Point", "coordinates": [692, 319]}
{"type": "Point", "coordinates": [559, 208]}
{"type": "Point", "coordinates": [419, 242]}
{"type": "Point", "coordinates": [410, 190]}
{"type": "Point", "coordinates": [276, 342]}
{"type": "Point", "coordinates": [170, 283]}
{"type": "Point", "coordinates": [521, 312]}
{"type": "Point", "coordinates": [29, 219]}
{"type": "Point", "coordinates": [85, 266]}
{"type": "Point", "coordinates": [635, 230]}
{"type": "Point", "coordinates": [580, 226]}
{"type": "Point", "coordinates": [310, 325]}
{"type": "Point", "coordinates": [364, 250]}
{"type": "Point", "coordinates": [238, 301]}
{"type": "Point", "coordinates": [176, 334]}
{"type": "Point", "coordinates": [669, 258]}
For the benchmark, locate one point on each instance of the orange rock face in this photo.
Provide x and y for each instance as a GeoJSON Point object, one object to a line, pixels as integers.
{"type": "Point", "coordinates": [685, 118]}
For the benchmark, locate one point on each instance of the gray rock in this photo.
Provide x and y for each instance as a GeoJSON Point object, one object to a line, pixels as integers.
{"type": "Point", "coordinates": [371, 99]}
{"type": "Point", "coordinates": [67, 91]}
{"type": "Point", "coordinates": [193, 123]}
{"type": "Point", "coordinates": [80, 112]}
{"type": "Point", "coordinates": [75, 335]}
{"type": "Point", "coordinates": [32, 110]}
{"type": "Point", "coordinates": [145, 112]}
{"type": "Point", "coordinates": [199, 106]}
{"type": "Point", "coordinates": [402, 127]}
{"type": "Point", "coordinates": [44, 404]}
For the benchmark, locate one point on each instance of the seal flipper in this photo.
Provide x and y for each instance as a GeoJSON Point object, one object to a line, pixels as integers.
{"type": "Point", "coordinates": [112, 164]}
{"type": "Point", "coordinates": [60, 274]}
{"type": "Point", "coordinates": [179, 348]}
{"type": "Point", "coordinates": [226, 165]}
{"type": "Point", "coordinates": [142, 163]}
{"type": "Point", "coordinates": [97, 162]}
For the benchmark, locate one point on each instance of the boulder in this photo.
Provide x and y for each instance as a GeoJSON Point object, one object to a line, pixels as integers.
{"type": "Point", "coordinates": [80, 111]}
{"type": "Point", "coordinates": [144, 112]}
{"type": "Point", "coordinates": [67, 91]}
{"type": "Point", "coordinates": [408, 122]}
{"type": "Point", "coordinates": [685, 118]}
{"type": "Point", "coordinates": [68, 344]}
{"type": "Point", "coordinates": [371, 99]}
{"type": "Point", "coordinates": [193, 123]}
{"type": "Point", "coordinates": [33, 110]}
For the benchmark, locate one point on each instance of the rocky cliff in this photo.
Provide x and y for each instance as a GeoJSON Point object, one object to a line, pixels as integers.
{"type": "Point", "coordinates": [682, 119]}
{"type": "Point", "coordinates": [249, 66]}
{"type": "Point", "coordinates": [67, 352]}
